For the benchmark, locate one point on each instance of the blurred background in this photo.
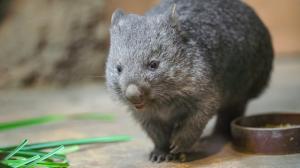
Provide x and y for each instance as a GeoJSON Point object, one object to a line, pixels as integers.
{"type": "Point", "coordinates": [63, 42]}
{"type": "Point", "coordinates": [52, 61]}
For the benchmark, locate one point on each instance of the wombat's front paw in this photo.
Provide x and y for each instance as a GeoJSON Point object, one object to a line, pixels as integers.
{"type": "Point", "coordinates": [159, 156]}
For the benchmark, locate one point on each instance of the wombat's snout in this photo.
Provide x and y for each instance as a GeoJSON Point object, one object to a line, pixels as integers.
{"type": "Point", "coordinates": [135, 95]}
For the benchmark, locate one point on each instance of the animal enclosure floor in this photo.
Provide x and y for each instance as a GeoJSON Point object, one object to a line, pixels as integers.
{"type": "Point", "coordinates": [282, 95]}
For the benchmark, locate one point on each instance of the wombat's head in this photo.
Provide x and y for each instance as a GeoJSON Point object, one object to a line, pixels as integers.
{"type": "Point", "coordinates": [146, 66]}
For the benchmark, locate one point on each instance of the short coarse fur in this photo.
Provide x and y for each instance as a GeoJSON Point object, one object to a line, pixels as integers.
{"type": "Point", "coordinates": [214, 56]}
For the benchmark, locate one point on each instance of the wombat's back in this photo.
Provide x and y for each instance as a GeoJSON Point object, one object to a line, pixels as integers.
{"type": "Point", "coordinates": [234, 43]}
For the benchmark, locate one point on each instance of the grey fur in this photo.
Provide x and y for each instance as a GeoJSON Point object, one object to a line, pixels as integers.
{"type": "Point", "coordinates": [215, 56]}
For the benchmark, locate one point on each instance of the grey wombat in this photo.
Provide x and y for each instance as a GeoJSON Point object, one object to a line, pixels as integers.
{"type": "Point", "coordinates": [178, 65]}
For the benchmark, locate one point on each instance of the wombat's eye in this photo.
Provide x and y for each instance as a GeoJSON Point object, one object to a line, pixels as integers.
{"type": "Point", "coordinates": [153, 65]}
{"type": "Point", "coordinates": [119, 68]}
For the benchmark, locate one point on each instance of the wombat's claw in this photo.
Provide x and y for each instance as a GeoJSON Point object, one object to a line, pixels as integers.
{"type": "Point", "coordinates": [181, 144]}
{"type": "Point", "coordinates": [160, 156]}
{"type": "Point", "coordinates": [174, 148]}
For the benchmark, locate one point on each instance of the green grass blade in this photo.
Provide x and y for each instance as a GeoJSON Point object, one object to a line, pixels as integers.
{"type": "Point", "coordinates": [12, 153]}
{"type": "Point", "coordinates": [29, 153]}
{"type": "Point", "coordinates": [11, 163]}
{"type": "Point", "coordinates": [53, 118]}
{"type": "Point", "coordinates": [54, 144]}
{"type": "Point", "coordinates": [30, 122]}
{"type": "Point", "coordinates": [46, 156]}
{"type": "Point", "coordinates": [69, 149]}
{"type": "Point", "coordinates": [53, 164]}
{"type": "Point", "coordinates": [32, 159]}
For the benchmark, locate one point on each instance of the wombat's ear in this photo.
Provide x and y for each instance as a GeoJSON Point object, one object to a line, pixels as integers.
{"type": "Point", "coordinates": [116, 16]}
{"type": "Point", "coordinates": [172, 15]}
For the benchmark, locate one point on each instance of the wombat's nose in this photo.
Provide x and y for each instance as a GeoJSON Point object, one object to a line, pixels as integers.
{"type": "Point", "coordinates": [134, 95]}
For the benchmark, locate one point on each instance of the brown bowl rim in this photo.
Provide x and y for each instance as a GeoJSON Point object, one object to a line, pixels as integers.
{"type": "Point", "coordinates": [251, 128]}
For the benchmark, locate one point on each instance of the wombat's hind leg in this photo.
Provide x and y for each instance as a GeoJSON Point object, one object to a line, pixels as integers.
{"type": "Point", "coordinates": [225, 116]}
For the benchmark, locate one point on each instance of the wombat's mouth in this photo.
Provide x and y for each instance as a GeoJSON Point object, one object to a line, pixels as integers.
{"type": "Point", "coordinates": [139, 105]}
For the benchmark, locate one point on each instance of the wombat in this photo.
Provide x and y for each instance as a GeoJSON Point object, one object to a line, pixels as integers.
{"type": "Point", "coordinates": [185, 61]}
